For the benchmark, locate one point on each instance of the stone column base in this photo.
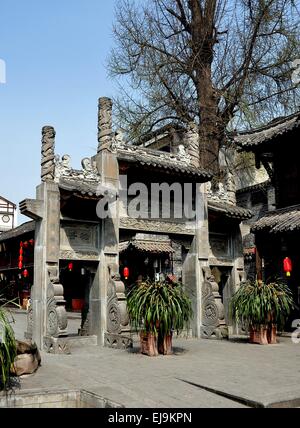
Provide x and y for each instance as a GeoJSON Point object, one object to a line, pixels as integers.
{"type": "Point", "coordinates": [117, 341]}
{"type": "Point", "coordinates": [59, 345]}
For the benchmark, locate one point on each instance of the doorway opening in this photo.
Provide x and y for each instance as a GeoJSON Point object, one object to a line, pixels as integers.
{"type": "Point", "coordinates": [77, 278]}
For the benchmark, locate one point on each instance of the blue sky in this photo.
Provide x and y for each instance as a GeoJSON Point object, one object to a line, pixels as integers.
{"type": "Point", "coordinates": [55, 53]}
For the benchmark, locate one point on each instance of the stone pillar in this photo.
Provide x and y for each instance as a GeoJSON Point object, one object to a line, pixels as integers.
{"type": "Point", "coordinates": [197, 259]}
{"type": "Point", "coordinates": [48, 154]}
{"type": "Point", "coordinates": [271, 198]}
{"type": "Point", "coordinates": [47, 318]}
{"type": "Point", "coordinates": [192, 144]}
{"type": "Point", "coordinates": [105, 313]}
{"type": "Point", "coordinates": [104, 123]}
{"type": "Point", "coordinates": [230, 188]}
{"type": "Point", "coordinates": [238, 272]}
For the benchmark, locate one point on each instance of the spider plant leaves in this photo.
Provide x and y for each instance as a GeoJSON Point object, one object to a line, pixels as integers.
{"type": "Point", "coordinates": [159, 307]}
{"type": "Point", "coordinates": [8, 348]}
{"type": "Point", "coordinates": [256, 303]}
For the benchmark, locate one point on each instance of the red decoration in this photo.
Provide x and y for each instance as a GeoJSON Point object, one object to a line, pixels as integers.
{"type": "Point", "coordinates": [21, 251]}
{"type": "Point", "coordinates": [21, 258]}
{"type": "Point", "coordinates": [20, 265]}
{"type": "Point", "coordinates": [126, 273]}
{"type": "Point", "coordinates": [25, 244]}
{"type": "Point", "coordinates": [31, 242]}
{"type": "Point", "coordinates": [21, 244]}
{"type": "Point", "coordinates": [70, 267]}
{"type": "Point", "coordinates": [25, 273]}
{"type": "Point", "coordinates": [287, 266]}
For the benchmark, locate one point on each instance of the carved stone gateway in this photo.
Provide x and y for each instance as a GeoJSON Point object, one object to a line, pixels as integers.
{"type": "Point", "coordinates": [213, 312]}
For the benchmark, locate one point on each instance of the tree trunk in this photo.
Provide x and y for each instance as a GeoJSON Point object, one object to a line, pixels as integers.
{"type": "Point", "coordinates": [203, 41]}
{"type": "Point", "coordinates": [209, 130]}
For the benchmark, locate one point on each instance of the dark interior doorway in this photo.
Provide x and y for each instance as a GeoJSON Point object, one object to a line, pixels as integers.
{"type": "Point", "coordinates": [77, 278]}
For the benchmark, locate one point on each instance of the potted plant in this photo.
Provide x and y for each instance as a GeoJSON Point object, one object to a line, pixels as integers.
{"type": "Point", "coordinates": [8, 348]}
{"type": "Point", "coordinates": [262, 308]}
{"type": "Point", "coordinates": [156, 309]}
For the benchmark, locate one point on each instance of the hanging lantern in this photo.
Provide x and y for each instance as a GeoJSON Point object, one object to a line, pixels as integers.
{"type": "Point", "coordinates": [25, 273]}
{"type": "Point", "coordinates": [20, 265]}
{"type": "Point", "coordinates": [70, 267]}
{"type": "Point", "coordinates": [21, 244]}
{"type": "Point", "coordinates": [287, 266]}
{"type": "Point", "coordinates": [31, 242]}
{"type": "Point", "coordinates": [126, 273]}
{"type": "Point", "coordinates": [21, 251]}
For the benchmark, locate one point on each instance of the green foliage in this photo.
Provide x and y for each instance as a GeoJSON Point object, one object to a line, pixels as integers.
{"type": "Point", "coordinates": [159, 307]}
{"type": "Point", "coordinates": [8, 347]}
{"type": "Point", "coordinates": [257, 303]}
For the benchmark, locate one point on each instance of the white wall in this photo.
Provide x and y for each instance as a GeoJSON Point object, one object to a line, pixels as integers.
{"type": "Point", "coordinates": [7, 215]}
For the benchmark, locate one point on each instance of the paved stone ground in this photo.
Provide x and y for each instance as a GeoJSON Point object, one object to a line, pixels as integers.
{"type": "Point", "coordinates": [257, 375]}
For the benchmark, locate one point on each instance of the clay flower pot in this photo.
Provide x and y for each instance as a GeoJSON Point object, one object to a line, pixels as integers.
{"type": "Point", "coordinates": [165, 344]}
{"type": "Point", "coordinates": [148, 344]}
{"type": "Point", "coordinates": [258, 335]}
{"type": "Point", "coordinates": [272, 334]}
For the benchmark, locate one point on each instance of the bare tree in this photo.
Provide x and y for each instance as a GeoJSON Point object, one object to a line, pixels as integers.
{"type": "Point", "coordinates": [218, 63]}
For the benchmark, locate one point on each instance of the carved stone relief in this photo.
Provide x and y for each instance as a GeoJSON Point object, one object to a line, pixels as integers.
{"type": "Point", "coordinates": [213, 314]}
{"type": "Point", "coordinates": [154, 226]}
{"type": "Point", "coordinates": [57, 321]}
{"type": "Point", "coordinates": [48, 154]}
{"type": "Point", "coordinates": [63, 169]}
{"type": "Point", "coordinates": [81, 238]}
{"type": "Point", "coordinates": [117, 316]}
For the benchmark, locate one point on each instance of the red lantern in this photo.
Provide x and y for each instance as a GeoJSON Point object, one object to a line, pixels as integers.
{"type": "Point", "coordinates": [70, 267]}
{"type": "Point", "coordinates": [21, 258]}
{"type": "Point", "coordinates": [21, 251]}
{"type": "Point", "coordinates": [20, 265]}
{"type": "Point", "coordinates": [126, 273]}
{"type": "Point", "coordinates": [287, 266]}
{"type": "Point", "coordinates": [25, 273]}
{"type": "Point", "coordinates": [21, 244]}
{"type": "Point", "coordinates": [31, 242]}
{"type": "Point", "coordinates": [25, 244]}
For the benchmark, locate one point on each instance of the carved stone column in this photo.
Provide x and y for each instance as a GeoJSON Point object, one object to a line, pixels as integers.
{"type": "Point", "coordinates": [47, 319]}
{"type": "Point", "coordinates": [192, 144]}
{"type": "Point", "coordinates": [108, 168]}
{"type": "Point", "coordinates": [48, 154]}
{"type": "Point", "coordinates": [230, 188]}
{"type": "Point", "coordinates": [104, 123]}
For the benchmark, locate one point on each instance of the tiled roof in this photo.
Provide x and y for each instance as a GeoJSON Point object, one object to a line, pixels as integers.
{"type": "Point", "coordinates": [83, 187]}
{"type": "Point", "coordinates": [161, 161]}
{"type": "Point", "coordinates": [230, 211]}
{"type": "Point", "coordinates": [147, 246]}
{"type": "Point", "coordinates": [278, 221]}
{"type": "Point", "coordinates": [267, 133]}
{"type": "Point", "coordinates": [255, 187]}
{"type": "Point", "coordinates": [18, 231]}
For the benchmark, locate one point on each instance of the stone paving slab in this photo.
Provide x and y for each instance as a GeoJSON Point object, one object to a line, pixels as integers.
{"type": "Point", "coordinates": [198, 374]}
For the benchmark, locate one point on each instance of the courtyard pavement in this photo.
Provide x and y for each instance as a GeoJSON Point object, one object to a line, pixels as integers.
{"type": "Point", "coordinates": [200, 374]}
